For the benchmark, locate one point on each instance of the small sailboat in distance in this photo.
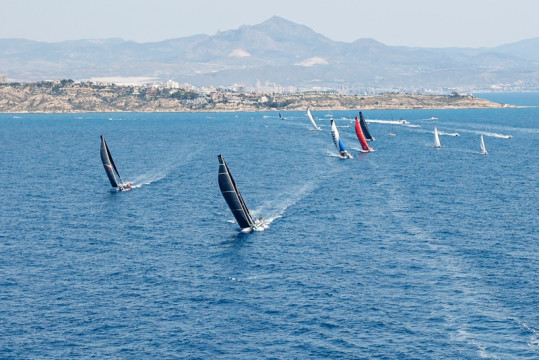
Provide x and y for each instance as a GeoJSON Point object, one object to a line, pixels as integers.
{"type": "Point", "coordinates": [310, 116]}
{"type": "Point", "coordinates": [361, 137]}
{"type": "Point", "coordinates": [235, 202]}
{"type": "Point", "coordinates": [343, 154]}
{"type": "Point", "coordinates": [437, 143]}
{"type": "Point", "coordinates": [483, 148]}
{"type": "Point", "coordinates": [365, 128]}
{"type": "Point", "coordinates": [111, 169]}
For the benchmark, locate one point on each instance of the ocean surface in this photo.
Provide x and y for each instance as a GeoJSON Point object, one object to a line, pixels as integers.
{"type": "Point", "coordinates": [408, 252]}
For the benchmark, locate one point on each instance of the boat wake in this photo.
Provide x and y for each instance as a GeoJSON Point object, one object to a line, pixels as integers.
{"type": "Point", "coordinates": [448, 133]}
{"type": "Point", "coordinates": [275, 208]}
{"type": "Point", "coordinates": [491, 134]}
{"type": "Point", "coordinates": [147, 179]}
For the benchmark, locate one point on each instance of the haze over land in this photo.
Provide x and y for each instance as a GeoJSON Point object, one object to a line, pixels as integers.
{"type": "Point", "coordinates": [278, 55]}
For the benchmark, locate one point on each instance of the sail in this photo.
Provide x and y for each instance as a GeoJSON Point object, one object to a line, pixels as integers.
{"type": "Point", "coordinates": [108, 163]}
{"type": "Point", "coordinates": [365, 128]}
{"type": "Point", "coordinates": [337, 140]}
{"type": "Point", "coordinates": [483, 147]}
{"type": "Point", "coordinates": [361, 136]}
{"type": "Point", "coordinates": [310, 116]}
{"type": "Point", "coordinates": [437, 143]}
{"type": "Point", "coordinates": [232, 196]}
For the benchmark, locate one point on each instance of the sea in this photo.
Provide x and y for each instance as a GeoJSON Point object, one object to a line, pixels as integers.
{"type": "Point", "coordinates": [407, 252]}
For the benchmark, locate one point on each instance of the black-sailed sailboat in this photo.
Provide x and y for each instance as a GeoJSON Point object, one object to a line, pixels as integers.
{"type": "Point", "coordinates": [233, 198]}
{"type": "Point", "coordinates": [110, 168]}
{"type": "Point", "coordinates": [365, 128]}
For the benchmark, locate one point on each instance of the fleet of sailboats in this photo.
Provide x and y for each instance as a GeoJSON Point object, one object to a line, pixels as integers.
{"type": "Point", "coordinates": [111, 169]}
{"type": "Point", "coordinates": [228, 186]}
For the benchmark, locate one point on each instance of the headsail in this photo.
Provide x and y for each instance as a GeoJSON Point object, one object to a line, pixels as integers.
{"type": "Point", "coordinates": [365, 128]}
{"type": "Point", "coordinates": [108, 163]}
{"type": "Point", "coordinates": [232, 196]}
{"type": "Point", "coordinates": [361, 136]}
{"type": "Point", "coordinates": [310, 116]}
{"type": "Point", "coordinates": [483, 147]}
{"type": "Point", "coordinates": [338, 142]}
{"type": "Point", "coordinates": [437, 143]}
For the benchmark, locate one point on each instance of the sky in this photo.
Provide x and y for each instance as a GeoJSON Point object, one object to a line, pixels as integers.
{"type": "Point", "coordinates": [416, 23]}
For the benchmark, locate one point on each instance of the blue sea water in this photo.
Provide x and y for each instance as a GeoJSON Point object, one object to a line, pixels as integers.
{"type": "Point", "coordinates": [406, 252]}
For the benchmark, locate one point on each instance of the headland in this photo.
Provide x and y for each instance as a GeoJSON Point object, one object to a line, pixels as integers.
{"type": "Point", "coordinates": [67, 96]}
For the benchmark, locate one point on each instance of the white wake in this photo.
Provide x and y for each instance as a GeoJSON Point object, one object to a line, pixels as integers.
{"type": "Point", "coordinates": [147, 179]}
{"type": "Point", "coordinates": [275, 208]}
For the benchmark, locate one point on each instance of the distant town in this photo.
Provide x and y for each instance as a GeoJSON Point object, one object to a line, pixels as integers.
{"type": "Point", "coordinates": [65, 96]}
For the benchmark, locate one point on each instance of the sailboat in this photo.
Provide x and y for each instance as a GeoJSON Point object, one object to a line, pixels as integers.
{"type": "Point", "coordinates": [111, 169]}
{"type": "Point", "coordinates": [483, 148]}
{"type": "Point", "coordinates": [361, 137]}
{"type": "Point", "coordinates": [310, 116]}
{"type": "Point", "coordinates": [235, 202]}
{"type": "Point", "coordinates": [365, 128]}
{"type": "Point", "coordinates": [437, 143]}
{"type": "Point", "coordinates": [338, 142]}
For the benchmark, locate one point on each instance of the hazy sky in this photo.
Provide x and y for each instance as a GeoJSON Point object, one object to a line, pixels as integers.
{"type": "Point", "coordinates": [427, 23]}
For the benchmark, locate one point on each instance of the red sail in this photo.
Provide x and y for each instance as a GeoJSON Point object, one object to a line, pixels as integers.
{"type": "Point", "coordinates": [361, 137]}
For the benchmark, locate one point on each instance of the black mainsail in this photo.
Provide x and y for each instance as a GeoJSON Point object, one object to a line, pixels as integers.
{"type": "Point", "coordinates": [364, 127]}
{"type": "Point", "coordinates": [233, 197]}
{"type": "Point", "coordinates": [108, 164]}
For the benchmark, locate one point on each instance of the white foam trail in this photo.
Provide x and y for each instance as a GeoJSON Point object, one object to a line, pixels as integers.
{"type": "Point", "coordinates": [391, 122]}
{"type": "Point", "coordinates": [278, 206]}
{"type": "Point", "coordinates": [147, 179]}
{"type": "Point", "coordinates": [491, 134]}
{"type": "Point", "coordinates": [447, 133]}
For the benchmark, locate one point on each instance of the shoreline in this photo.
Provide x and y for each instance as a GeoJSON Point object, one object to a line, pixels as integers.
{"type": "Point", "coordinates": [51, 98]}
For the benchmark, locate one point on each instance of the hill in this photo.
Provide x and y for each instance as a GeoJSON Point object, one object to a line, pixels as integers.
{"type": "Point", "coordinates": [281, 52]}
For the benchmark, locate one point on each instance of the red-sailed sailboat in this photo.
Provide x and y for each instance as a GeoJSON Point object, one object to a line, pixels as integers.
{"type": "Point", "coordinates": [361, 137]}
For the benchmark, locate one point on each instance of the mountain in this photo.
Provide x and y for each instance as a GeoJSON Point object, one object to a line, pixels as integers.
{"type": "Point", "coordinates": [276, 51]}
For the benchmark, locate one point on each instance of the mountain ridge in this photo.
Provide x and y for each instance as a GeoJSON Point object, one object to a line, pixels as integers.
{"type": "Point", "coordinates": [276, 51]}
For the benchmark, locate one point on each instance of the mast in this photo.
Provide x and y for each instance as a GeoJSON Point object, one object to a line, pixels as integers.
{"type": "Point", "coordinates": [361, 136]}
{"type": "Point", "coordinates": [232, 196]}
{"type": "Point", "coordinates": [365, 128]}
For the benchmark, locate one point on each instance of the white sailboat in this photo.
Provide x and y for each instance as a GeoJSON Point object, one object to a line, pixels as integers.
{"type": "Point", "coordinates": [310, 116]}
{"type": "Point", "coordinates": [343, 153]}
{"type": "Point", "coordinates": [483, 148]}
{"type": "Point", "coordinates": [437, 143]}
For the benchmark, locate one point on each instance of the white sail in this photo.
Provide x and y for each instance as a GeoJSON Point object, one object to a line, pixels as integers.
{"type": "Point", "coordinates": [310, 116]}
{"type": "Point", "coordinates": [483, 148]}
{"type": "Point", "coordinates": [338, 142]}
{"type": "Point", "coordinates": [437, 143]}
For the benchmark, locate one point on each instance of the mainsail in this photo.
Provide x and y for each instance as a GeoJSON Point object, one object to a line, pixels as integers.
{"type": "Point", "coordinates": [365, 128]}
{"type": "Point", "coordinates": [437, 143]}
{"type": "Point", "coordinates": [361, 136]}
{"type": "Point", "coordinates": [233, 197]}
{"type": "Point", "coordinates": [310, 116]}
{"type": "Point", "coordinates": [337, 140]}
{"type": "Point", "coordinates": [108, 164]}
{"type": "Point", "coordinates": [483, 148]}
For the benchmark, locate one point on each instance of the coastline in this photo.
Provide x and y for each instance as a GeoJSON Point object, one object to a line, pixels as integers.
{"type": "Point", "coordinates": [69, 97]}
